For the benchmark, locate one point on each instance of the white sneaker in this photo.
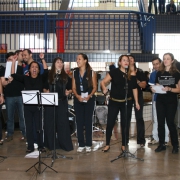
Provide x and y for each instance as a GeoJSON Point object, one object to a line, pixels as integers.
{"type": "Point", "coordinates": [153, 141]}
{"type": "Point", "coordinates": [88, 149]}
{"type": "Point", "coordinates": [80, 149]}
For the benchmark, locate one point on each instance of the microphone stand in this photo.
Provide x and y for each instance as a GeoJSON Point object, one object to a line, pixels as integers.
{"type": "Point", "coordinates": [54, 153]}
{"type": "Point", "coordinates": [125, 153]}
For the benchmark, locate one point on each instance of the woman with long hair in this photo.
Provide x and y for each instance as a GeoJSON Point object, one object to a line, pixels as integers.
{"type": "Point", "coordinates": [35, 81]}
{"type": "Point", "coordinates": [84, 85]}
{"type": "Point", "coordinates": [141, 83]}
{"type": "Point", "coordinates": [166, 104]}
{"type": "Point", "coordinates": [58, 81]}
{"type": "Point", "coordinates": [117, 101]}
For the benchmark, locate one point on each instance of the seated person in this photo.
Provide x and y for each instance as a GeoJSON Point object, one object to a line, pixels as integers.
{"type": "Point", "coordinates": [171, 8]}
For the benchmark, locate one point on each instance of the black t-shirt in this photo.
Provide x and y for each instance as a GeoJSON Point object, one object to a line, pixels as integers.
{"type": "Point", "coordinates": [14, 88]}
{"type": "Point", "coordinates": [38, 83]}
{"type": "Point", "coordinates": [118, 82]}
{"type": "Point", "coordinates": [166, 79]}
{"type": "Point", "coordinates": [141, 77]}
{"type": "Point", "coordinates": [2, 71]}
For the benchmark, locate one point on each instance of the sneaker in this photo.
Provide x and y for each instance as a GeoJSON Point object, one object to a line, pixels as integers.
{"type": "Point", "coordinates": [88, 149]}
{"type": "Point", "coordinates": [23, 139]}
{"type": "Point", "coordinates": [160, 148]}
{"type": "Point", "coordinates": [80, 149]}
{"type": "Point", "coordinates": [9, 138]}
{"type": "Point", "coordinates": [153, 141]}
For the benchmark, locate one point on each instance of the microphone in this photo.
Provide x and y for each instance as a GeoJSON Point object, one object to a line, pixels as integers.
{"type": "Point", "coordinates": [126, 69]}
{"type": "Point", "coordinates": [57, 75]}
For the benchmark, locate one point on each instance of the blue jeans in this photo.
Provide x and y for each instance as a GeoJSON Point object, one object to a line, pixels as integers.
{"type": "Point", "coordinates": [11, 104]}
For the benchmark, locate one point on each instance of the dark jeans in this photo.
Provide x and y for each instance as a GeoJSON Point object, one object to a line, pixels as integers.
{"type": "Point", "coordinates": [84, 115]}
{"type": "Point", "coordinates": [0, 122]}
{"type": "Point", "coordinates": [150, 5]}
{"type": "Point", "coordinates": [140, 121]}
{"type": "Point", "coordinates": [161, 6]}
{"type": "Point", "coordinates": [33, 114]}
{"type": "Point", "coordinates": [125, 120]}
{"type": "Point", "coordinates": [11, 104]}
{"type": "Point", "coordinates": [166, 110]}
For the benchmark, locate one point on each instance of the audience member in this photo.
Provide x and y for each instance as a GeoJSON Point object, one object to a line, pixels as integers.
{"type": "Point", "coordinates": [150, 5]}
{"type": "Point", "coordinates": [171, 8]}
{"type": "Point", "coordinates": [161, 6]}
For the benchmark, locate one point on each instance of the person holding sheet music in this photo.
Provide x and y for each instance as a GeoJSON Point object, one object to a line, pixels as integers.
{"type": "Point", "coordinates": [166, 104]}
{"type": "Point", "coordinates": [84, 85]}
{"type": "Point", "coordinates": [12, 92]}
{"type": "Point", "coordinates": [60, 82]}
{"type": "Point", "coordinates": [34, 81]}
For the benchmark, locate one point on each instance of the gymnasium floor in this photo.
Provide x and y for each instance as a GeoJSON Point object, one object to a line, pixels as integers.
{"type": "Point", "coordinates": [95, 165]}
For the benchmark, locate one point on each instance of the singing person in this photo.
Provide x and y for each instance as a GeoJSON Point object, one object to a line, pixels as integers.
{"type": "Point", "coordinates": [117, 101]}
{"type": "Point", "coordinates": [166, 104]}
{"type": "Point", "coordinates": [141, 83]}
{"type": "Point", "coordinates": [60, 82]}
{"type": "Point", "coordinates": [84, 85]}
{"type": "Point", "coordinates": [32, 113]}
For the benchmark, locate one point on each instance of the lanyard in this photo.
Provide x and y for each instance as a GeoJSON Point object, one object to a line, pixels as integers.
{"type": "Point", "coordinates": [81, 78]}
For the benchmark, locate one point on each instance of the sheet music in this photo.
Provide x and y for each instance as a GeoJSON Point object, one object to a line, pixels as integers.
{"type": "Point", "coordinates": [84, 95]}
{"type": "Point", "coordinates": [49, 99]}
{"type": "Point", "coordinates": [30, 97]}
{"type": "Point", "coordinates": [158, 89]}
{"type": "Point", "coordinates": [8, 68]}
{"type": "Point", "coordinates": [34, 154]}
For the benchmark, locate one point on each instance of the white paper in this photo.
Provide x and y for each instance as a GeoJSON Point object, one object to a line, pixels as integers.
{"type": "Point", "coordinates": [84, 95]}
{"type": "Point", "coordinates": [8, 68]}
{"type": "Point", "coordinates": [49, 98]}
{"type": "Point", "coordinates": [158, 89]}
{"type": "Point", "coordinates": [30, 97]}
{"type": "Point", "coordinates": [34, 154]}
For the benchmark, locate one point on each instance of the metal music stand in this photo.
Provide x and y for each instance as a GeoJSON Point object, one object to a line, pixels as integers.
{"type": "Point", "coordinates": [36, 98]}
{"type": "Point", "coordinates": [126, 152]}
{"type": "Point", "coordinates": [52, 99]}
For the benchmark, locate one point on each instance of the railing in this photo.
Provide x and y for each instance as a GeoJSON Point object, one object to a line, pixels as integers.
{"type": "Point", "coordinates": [79, 31]}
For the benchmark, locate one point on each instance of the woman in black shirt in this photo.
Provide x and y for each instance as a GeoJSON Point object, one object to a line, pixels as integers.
{"type": "Point", "coordinates": [117, 100]}
{"type": "Point", "coordinates": [34, 81]}
{"type": "Point", "coordinates": [166, 104]}
{"type": "Point", "coordinates": [141, 83]}
{"type": "Point", "coordinates": [60, 82]}
{"type": "Point", "coordinates": [84, 85]}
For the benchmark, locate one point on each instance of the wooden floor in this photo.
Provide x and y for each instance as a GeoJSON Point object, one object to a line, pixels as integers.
{"type": "Point", "coordinates": [95, 165]}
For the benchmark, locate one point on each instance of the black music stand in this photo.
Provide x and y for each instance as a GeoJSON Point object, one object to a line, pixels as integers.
{"type": "Point", "coordinates": [35, 97]}
{"type": "Point", "coordinates": [52, 99]}
{"type": "Point", "coordinates": [125, 153]}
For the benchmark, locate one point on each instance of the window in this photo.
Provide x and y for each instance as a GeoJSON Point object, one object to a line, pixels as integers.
{"type": "Point", "coordinates": [34, 3]}
{"type": "Point", "coordinates": [168, 43]}
{"type": "Point", "coordinates": [85, 3]}
{"type": "Point", "coordinates": [126, 3]}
